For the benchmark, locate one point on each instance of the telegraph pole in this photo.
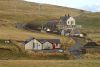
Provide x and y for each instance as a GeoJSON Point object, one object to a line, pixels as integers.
{"type": "Point", "coordinates": [39, 8]}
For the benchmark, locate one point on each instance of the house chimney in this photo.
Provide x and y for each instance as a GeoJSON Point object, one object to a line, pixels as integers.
{"type": "Point", "coordinates": [68, 15]}
{"type": "Point", "coordinates": [65, 15]}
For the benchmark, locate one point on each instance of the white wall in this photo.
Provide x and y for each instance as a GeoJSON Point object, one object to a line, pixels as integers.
{"type": "Point", "coordinates": [37, 45]}
{"type": "Point", "coordinates": [47, 45]}
{"type": "Point", "coordinates": [70, 21]}
{"type": "Point", "coordinates": [62, 32]}
{"type": "Point", "coordinates": [29, 45]}
{"type": "Point", "coordinates": [59, 45]}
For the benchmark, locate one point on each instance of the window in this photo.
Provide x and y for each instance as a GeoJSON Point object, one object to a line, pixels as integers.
{"type": "Point", "coordinates": [68, 23]}
{"type": "Point", "coordinates": [56, 44]}
{"type": "Point", "coordinates": [72, 22]}
{"type": "Point", "coordinates": [33, 45]}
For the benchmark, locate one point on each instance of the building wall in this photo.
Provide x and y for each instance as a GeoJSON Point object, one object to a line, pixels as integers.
{"type": "Point", "coordinates": [47, 45]}
{"type": "Point", "coordinates": [70, 21]}
{"type": "Point", "coordinates": [29, 45]}
{"type": "Point", "coordinates": [37, 45]}
{"type": "Point", "coordinates": [62, 32]}
{"type": "Point", "coordinates": [58, 45]}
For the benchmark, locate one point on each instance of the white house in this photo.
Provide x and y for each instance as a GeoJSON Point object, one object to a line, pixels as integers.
{"type": "Point", "coordinates": [41, 44]}
{"type": "Point", "coordinates": [50, 43]}
{"type": "Point", "coordinates": [31, 44]}
{"type": "Point", "coordinates": [47, 45]}
{"type": "Point", "coordinates": [67, 24]}
{"type": "Point", "coordinates": [50, 26]}
{"type": "Point", "coordinates": [36, 45]}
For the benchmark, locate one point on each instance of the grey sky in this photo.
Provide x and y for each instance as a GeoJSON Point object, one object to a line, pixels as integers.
{"type": "Point", "coordinates": [91, 5]}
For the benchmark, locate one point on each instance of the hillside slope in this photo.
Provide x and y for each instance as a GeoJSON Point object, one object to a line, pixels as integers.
{"type": "Point", "coordinates": [89, 20]}
{"type": "Point", "coordinates": [22, 11]}
{"type": "Point", "coordinates": [18, 11]}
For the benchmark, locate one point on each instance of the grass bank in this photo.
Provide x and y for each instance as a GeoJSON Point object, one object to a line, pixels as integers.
{"type": "Point", "coordinates": [50, 63]}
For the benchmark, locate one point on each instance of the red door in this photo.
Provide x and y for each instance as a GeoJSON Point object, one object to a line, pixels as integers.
{"type": "Point", "coordinates": [53, 46]}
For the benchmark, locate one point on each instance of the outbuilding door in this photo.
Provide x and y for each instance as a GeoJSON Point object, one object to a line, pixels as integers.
{"type": "Point", "coordinates": [53, 46]}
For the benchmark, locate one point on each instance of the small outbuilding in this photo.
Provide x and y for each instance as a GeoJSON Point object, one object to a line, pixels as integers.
{"type": "Point", "coordinates": [91, 44]}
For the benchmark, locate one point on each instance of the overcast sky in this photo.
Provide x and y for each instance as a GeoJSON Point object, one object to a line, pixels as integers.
{"type": "Point", "coordinates": [91, 5]}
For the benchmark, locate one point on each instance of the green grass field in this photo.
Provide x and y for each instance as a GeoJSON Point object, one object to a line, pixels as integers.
{"type": "Point", "coordinates": [90, 21]}
{"type": "Point", "coordinates": [49, 63]}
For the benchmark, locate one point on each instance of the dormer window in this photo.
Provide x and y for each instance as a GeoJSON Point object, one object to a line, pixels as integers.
{"type": "Point", "coordinates": [68, 23]}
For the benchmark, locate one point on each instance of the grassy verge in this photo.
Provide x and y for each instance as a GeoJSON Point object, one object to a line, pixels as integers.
{"type": "Point", "coordinates": [50, 63]}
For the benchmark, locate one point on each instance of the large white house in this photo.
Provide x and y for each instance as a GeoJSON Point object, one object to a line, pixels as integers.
{"type": "Point", "coordinates": [67, 21]}
{"type": "Point", "coordinates": [41, 44]}
{"type": "Point", "coordinates": [67, 25]}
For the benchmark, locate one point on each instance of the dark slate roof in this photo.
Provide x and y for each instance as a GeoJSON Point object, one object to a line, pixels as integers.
{"type": "Point", "coordinates": [51, 24]}
{"type": "Point", "coordinates": [57, 41]}
{"type": "Point", "coordinates": [67, 31]}
{"type": "Point", "coordinates": [27, 40]}
{"type": "Point", "coordinates": [64, 18]}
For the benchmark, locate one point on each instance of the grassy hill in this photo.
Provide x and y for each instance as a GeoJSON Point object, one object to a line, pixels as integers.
{"type": "Point", "coordinates": [22, 11]}
{"type": "Point", "coordinates": [91, 24]}
{"type": "Point", "coordinates": [89, 20]}
{"type": "Point", "coordinates": [19, 11]}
